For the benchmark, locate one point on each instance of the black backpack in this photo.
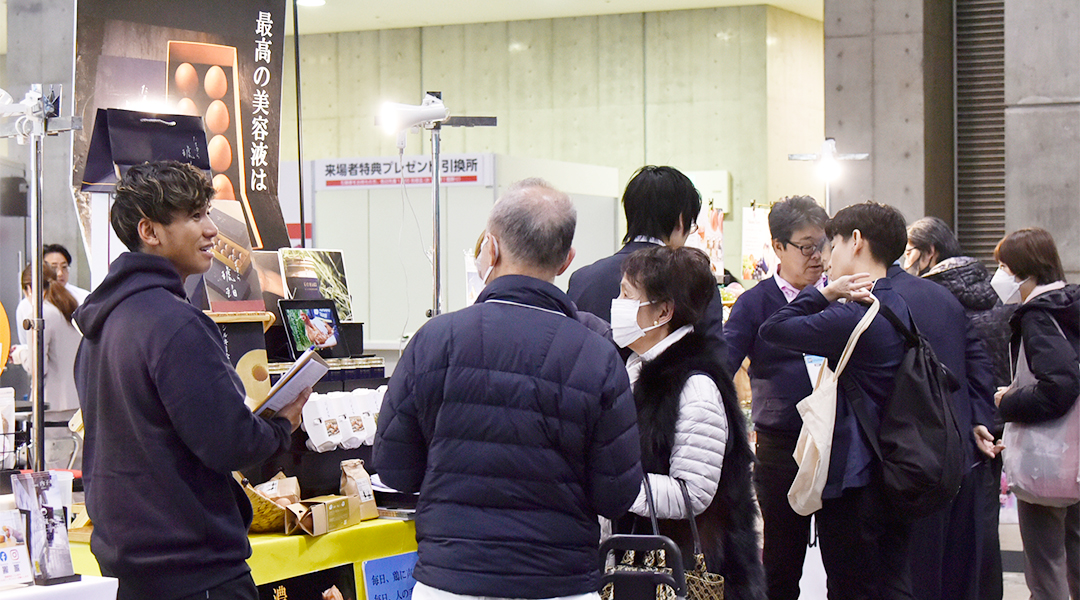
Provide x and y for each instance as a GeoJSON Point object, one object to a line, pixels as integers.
{"type": "Point", "coordinates": [918, 442]}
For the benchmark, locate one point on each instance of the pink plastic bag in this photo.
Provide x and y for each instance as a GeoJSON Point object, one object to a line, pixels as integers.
{"type": "Point", "coordinates": [1042, 460]}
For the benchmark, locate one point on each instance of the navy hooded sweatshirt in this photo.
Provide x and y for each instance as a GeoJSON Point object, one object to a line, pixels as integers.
{"type": "Point", "coordinates": [165, 425]}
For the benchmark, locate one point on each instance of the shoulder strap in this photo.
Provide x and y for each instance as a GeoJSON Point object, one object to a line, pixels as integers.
{"type": "Point", "coordinates": [853, 339]}
{"type": "Point", "coordinates": [857, 399]}
{"type": "Point", "coordinates": [690, 512]}
{"type": "Point", "coordinates": [910, 336]}
{"type": "Point", "coordinates": [869, 425]}
{"type": "Point", "coordinates": [651, 503]}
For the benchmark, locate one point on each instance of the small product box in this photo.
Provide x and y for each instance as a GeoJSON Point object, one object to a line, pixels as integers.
{"type": "Point", "coordinates": [356, 484]}
{"type": "Point", "coordinates": [322, 514]}
{"type": "Point", "coordinates": [323, 423]}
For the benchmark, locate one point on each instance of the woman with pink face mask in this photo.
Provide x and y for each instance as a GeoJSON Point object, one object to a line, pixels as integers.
{"type": "Point", "coordinates": [1045, 347]}
{"type": "Point", "coordinates": [693, 432]}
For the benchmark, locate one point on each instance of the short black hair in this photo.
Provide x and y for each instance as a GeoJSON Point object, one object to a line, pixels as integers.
{"type": "Point", "coordinates": [158, 191]}
{"type": "Point", "coordinates": [932, 232]}
{"type": "Point", "coordinates": [50, 248]}
{"type": "Point", "coordinates": [656, 200]}
{"type": "Point", "coordinates": [881, 225]}
{"type": "Point", "coordinates": [682, 276]}
{"type": "Point", "coordinates": [792, 213]}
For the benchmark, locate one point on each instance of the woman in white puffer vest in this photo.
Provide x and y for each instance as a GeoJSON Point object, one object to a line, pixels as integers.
{"type": "Point", "coordinates": [692, 428]}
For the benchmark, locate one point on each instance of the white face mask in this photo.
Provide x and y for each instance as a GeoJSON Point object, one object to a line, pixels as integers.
{"type": "Point", "coordinates": [624, 326]}
{"type": "Point", "coordinates": [1007, 286]}
{"type": "Point", "coordinates": [473, 284]}
{"type": "Point", "coordinates": [473, 279]}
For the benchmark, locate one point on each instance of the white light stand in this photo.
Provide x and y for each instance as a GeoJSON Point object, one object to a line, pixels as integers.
{"type": "Point", "coordinates": [432, 115]}
{"type": "Point", "coordinates": [828, 166]}
{"type": "Point", "coordinates": [34, 118]}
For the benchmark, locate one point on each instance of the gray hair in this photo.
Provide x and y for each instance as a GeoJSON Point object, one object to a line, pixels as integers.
{"type": "Point", "coordinates": [534, 223]}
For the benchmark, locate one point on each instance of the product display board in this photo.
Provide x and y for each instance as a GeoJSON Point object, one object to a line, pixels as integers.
{"type": "Point", "coordinates": [312, 274]}
{"type": "Point", "coordinates": [278, 557]}
{"type": "Point", "coordinates": [758, 259]}
{"type": "Point", "coordinates": [223, 64]}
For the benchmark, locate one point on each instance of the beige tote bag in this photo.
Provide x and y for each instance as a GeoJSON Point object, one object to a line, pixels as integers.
{"type": "Point", "coordinates": [818, 412]}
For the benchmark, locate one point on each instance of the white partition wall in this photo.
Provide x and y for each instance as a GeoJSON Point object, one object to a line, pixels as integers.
{"type": "Point", "coordinates": [385, 248]}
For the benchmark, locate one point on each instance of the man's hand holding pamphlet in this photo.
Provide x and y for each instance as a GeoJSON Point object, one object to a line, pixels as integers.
{"type": "Point", "coordinates": [287, 397]}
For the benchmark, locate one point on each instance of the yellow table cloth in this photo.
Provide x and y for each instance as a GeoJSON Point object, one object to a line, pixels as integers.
{"type": "Point", "coordinates": [276, 556]}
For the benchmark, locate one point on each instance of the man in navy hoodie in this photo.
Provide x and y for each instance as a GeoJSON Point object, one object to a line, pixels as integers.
{"type": "Point", "coordinates": [163, 408]}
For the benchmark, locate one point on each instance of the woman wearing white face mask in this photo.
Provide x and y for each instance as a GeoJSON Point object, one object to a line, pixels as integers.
{"type": "Point", "coordinates": [692, 429]}
{"type": "Point", "coordinates": [1045, 388]}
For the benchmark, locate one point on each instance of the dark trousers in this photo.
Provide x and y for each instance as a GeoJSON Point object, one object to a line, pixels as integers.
{"type": "Point", "coordinates": [1051, 537]}
{"type": "Point", "coordinates": [946, 547]}
{"type": "Point", "coordinates": [988, 512]}
{"type": "Point", "coordinates": [864, 546]}
{"type": "Point", "coordinates": [786, 532]}
{"type": "Point", "coordinates": [237, 588]}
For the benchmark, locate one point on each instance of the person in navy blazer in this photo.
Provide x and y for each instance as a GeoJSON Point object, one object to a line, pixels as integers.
{"type": "Point", "coordinates": [661, 206]}
{"type": "Point", "coordinates": [864, 542]}
{"type": "Point", "coordinates": [946, 546]}
{"type": "Point", "coordinates": [778, 381]}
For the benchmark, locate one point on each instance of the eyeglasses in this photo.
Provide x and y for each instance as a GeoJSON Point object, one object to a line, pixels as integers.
{"type": "Point", "coordinates": [811, 249]}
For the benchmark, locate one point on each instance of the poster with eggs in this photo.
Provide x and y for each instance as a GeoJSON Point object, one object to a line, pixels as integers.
{"type": "Point", "coordinates": [231, 283]}
{"type": "Point", "coordinates": [203, 83]}
{"type": "Point", "coordinates": [223, 66]}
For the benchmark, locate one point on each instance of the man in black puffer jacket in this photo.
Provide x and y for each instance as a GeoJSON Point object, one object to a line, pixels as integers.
{"type": "Point", "coordinates": [513, 420]}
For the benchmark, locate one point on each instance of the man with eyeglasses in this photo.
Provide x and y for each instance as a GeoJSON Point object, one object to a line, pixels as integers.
{"type": "Point", "coordinates": [779, 379]}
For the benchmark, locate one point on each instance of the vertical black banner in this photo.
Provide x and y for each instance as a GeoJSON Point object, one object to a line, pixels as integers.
{"type": "Point", "coordinates": [221, 61]}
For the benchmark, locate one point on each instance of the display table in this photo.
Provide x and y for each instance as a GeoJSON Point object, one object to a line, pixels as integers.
{"type": "Point", "coordinates": [277, 556]}
{"type": "Point", "coordinates": [90, 588]}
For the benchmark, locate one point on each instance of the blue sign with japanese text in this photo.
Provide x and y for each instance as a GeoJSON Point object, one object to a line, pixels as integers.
{"type": "Point", "coordinates": [390, 578]}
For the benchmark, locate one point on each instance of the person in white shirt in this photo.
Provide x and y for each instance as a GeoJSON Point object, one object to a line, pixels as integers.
{"type": "Point", "coordinates": [59, 259]}
{"type": "Point", "coordinates": [61, 341]}
{"type": "Point", "coordinates": [693, 431]}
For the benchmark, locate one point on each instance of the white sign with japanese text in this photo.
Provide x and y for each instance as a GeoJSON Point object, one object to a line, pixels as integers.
{"type": "Point", "coordinates": [416, 170]}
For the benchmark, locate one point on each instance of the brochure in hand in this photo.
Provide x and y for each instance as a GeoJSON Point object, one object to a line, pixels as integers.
{"type": "Point", "coordinates": [305, 372]}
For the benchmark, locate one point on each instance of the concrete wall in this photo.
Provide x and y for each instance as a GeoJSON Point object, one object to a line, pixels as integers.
{"type": "Point", "coordinates": [1042, 122]}
{"type": "Point", "coordinates": [733, 89]}
{"type": "Point", "coordinates": [888, 91]}
{"type": "Point", "coordinates": [41, 41]}
{"type": "Point", "coordinates": [796, 103]}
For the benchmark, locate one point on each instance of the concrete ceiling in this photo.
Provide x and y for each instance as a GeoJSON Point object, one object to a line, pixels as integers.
{"type": "Point", "coordinates": [352, 15]}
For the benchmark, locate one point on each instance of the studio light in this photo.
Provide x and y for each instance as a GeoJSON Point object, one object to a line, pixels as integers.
{"type": "Point", "coordinates": [395, 118]}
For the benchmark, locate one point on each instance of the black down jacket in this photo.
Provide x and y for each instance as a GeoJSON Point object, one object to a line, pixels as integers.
{"type": "Point", "coordinates": [1053, 358]}
{"type": "Point", "coordinates": [969, 281]}
{"type": "Point", "coordinates": [516, 424]}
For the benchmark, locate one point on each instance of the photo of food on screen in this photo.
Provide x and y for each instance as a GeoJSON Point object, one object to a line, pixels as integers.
{"type": "Point", "coordinates": [312, 327]}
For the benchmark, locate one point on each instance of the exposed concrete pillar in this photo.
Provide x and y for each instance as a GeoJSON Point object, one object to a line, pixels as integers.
{"type": "Point", "coordinates": [889, 92]}
{"type": "Point", "coordinates": [41, 49]}
{"type": "Point", "coordinates": [1042, 122]}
